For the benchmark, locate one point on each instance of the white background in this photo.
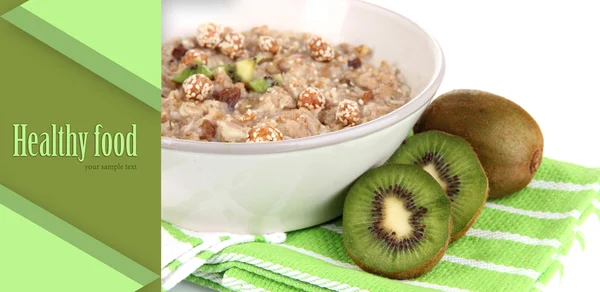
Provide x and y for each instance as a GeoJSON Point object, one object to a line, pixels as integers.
{"type": "Point", "coordinates": [543, 55]}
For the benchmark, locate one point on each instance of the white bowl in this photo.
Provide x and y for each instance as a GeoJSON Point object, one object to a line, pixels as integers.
{"type": "Point", "coordinates": [293, 184]}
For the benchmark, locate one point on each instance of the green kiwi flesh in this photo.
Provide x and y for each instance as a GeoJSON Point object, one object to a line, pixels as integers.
{"type": "Point", "coordinates": [455, 166]}
{"type": "Point", "coordinates": [397, 221]}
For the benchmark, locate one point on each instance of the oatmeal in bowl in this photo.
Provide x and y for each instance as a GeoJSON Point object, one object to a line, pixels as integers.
{"type": "Point", "coordinates": [267, 85]}
{"type": "Point", "coordinates": [265, 128]}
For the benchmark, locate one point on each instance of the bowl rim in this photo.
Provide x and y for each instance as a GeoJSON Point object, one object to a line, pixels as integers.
{"type": "Point", "coordinates": [331, 138]}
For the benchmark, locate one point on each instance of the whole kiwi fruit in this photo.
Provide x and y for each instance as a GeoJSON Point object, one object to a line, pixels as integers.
{"type": "Point", "coordinates": [507, 140]}
{"type": "Point", "coordinates": [397, 221]}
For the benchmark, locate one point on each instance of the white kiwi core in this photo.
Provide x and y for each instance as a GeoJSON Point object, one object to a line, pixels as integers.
{"type": "Point", "coordinates": [430, 168]}
{"type": "Point", "coordinates": [396, 217]}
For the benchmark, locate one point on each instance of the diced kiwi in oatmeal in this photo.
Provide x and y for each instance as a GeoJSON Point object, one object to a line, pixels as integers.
{"type": "Point", "coordinates": [260, 87]}
{"type": "Point", "coordinates": [262, 84]}
{"type": "Point", "coordinates": [192, 70]}
{"type": "Point", "coordinates": [244, 70]}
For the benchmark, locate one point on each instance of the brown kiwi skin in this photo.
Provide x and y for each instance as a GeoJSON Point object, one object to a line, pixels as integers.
{"type": "Point", "coordinates": [471, 222]}
{"type": "Point", "coordinates": [412, 273]}
{"type": "Point", "coordinates": [507, 140]}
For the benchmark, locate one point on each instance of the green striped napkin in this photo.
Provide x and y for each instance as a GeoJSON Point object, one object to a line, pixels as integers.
{"type": "Point", "coordinates": [515, 245]}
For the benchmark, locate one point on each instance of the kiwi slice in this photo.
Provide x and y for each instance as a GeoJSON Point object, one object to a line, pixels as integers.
{"type": "Point", "coordinates": [397, 221]}
{"type": "Point", "coordinates": [454, 165]}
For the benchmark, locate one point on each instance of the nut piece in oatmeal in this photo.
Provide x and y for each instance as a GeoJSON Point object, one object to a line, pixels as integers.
{"type": "Point", "coordinates": [197, 87]}
{"type": "Point", "coordinates": [192, 56]}
{"type": "Point", "coordinates": [178, 52]}
{"type": "Point", "coordinates": [209, 35]}
{"type": "Point", "coordinates": [320, 49]}
{"type": "Point", "coordinates": [311, 98]}
{"type": "Point", "coordinates": [348, 112]}
{"type": "Point", "coordinates": [355, 63]}
{"type": "Point", "coordinates": [229, 95]}
{"type": "Point", "coordinates": [248, 115]}
{"type": "Point", "coordinates": [232, 45]}
{"type": "Point", "coordinates": [208, 130]}
{"type": "Point", "coordinates": [268, 44]}
{"type": "Point", "coordinates": [366, 97]}
{"type": "Point", "coordinates": [264, 133]}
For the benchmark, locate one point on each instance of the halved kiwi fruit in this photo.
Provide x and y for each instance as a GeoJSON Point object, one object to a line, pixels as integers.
{"type": "Point", "coordinates": [455, 166]}
{"type": "Point", "coordinates": [397, 221]}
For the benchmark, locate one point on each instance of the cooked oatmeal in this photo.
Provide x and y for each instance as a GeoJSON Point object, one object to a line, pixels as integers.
{"type": "Point", "coordinates": [265, 85]}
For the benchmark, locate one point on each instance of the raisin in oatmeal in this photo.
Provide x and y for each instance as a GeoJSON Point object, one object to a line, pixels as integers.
{"type": "Point", "coordinates": [265, 85]}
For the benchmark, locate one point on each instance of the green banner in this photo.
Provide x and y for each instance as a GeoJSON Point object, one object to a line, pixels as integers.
{"type": "Point", "coordinates": [79, 151]}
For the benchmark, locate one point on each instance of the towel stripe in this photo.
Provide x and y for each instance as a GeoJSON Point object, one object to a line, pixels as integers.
{"type": "Point", "coordinates": [558, 257]}
{"type": "Point", "coordinates": [333, 228]}
{"type": "Point", "coordinates": [596, 204]}
{"type": "Point", "coordinates": [213, 277]}
{"type": "Point", "coordinates": [563, 186]}
{"type": "Point", "coordinates": [191, 261]}
{"type": "Point", "coordinates": [189, 264]}
{"type": "Point", "coordinates": [539, 286]}
{"type": "Point", "coordinates": [229, 282]}
{"type": "Point", "coordinates": [486, 234]}
{"type": "Point", "coordinates": [449, 258]}
{"type": "Point", "coordinates": [492, 267]}
{"type": "Point", "coordinates": [434, 286]}
{"type": "Point", "coordinates": [239, 285]}
{"type": "Point", "coordinates": [321, 257]}
{"type": "Point", "coordinates": [181, 273]}
{"type": "Point", "coordinates": [285, 271]}
{"type": "Point", "coordinates": [171, 247]}
{"type": "Point", "coordinates": [354, 267]}
{"type": "Point", "coordinates": [535, 214]}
